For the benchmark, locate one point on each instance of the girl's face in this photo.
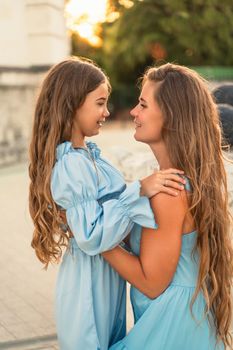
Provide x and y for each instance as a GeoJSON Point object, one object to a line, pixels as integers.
{"type": "Point", "coordinates": [147, 115]}
{"type": "Point", "coordinates": [92, 114]}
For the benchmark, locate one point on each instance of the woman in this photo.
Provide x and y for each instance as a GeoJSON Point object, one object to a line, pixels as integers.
{"type": "Point", "coordinates": [67, 172]}
{"type": "Point", "coordinates": [181, 272]}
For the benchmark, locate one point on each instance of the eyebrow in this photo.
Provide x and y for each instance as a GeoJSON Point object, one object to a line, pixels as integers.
{"type": "Point", "coordinates": [101, 98]}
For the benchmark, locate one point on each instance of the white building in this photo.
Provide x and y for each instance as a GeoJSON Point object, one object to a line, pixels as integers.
{"type": "Point", "coordinates": [33, 36]}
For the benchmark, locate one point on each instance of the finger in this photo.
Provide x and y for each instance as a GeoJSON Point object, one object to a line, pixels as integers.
{"type": "Point", "coordinates": [172, 170]}
{"type": "Point", "coordinates": [173, 184]}
{"type": "Point", "coordinates": [160, 179]}
{"type": "Point", "coordinates": [173, 177]}
{"type": "Point", "coordinates": [159, 174]}
{"type": "Point", "coordinates": [169, 191]}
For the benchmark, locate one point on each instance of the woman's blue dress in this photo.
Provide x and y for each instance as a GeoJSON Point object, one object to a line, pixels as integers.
{"type": "Point", "coordinates": [101, 211]}
{"type": "Point", "coordinates": [166, 322]}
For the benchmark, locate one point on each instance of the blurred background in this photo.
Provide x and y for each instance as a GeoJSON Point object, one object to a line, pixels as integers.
{"type": "Point", "coordinates": [123, 37]}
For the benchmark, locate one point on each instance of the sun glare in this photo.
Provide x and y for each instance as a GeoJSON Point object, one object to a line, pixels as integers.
{"type": "Point", "coordinates": [83, 16]}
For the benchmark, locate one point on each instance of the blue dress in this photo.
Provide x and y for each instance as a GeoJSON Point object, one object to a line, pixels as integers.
{"type": "Point", "coordinates": [101, 211]}
{"type": "Point", "coordinates": [166, 322]}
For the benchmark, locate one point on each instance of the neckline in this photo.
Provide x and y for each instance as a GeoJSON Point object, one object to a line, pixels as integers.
{"type": "Point", "coordinates": [91, 148]}
{"type": "Point", "coordinates": [80, 147]}
{"type": "Point", "coordinates": [66, 147]}
{"type": "Point", "coordinates": [189, 234]}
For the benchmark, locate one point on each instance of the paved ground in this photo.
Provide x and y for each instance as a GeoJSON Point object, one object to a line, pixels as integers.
{"type": "Point", "coordinates": [26, 293]}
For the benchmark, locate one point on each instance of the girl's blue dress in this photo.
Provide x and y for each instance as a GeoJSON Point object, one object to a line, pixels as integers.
{"type": "Point", "coordinates": [101, 211]}
{"type": "Point", "coordinates": [166, 322]}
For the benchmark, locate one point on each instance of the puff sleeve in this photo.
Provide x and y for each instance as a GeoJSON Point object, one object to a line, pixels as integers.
{"type": "Point", "coordinates": [96, 227]}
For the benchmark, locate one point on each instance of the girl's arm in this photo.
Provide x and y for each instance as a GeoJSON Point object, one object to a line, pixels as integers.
{"type": "Point", "coordinates": [152, 271]}
{"type": "Point", "coordinates": [100, 226]}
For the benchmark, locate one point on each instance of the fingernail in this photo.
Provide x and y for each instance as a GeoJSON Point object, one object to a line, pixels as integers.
{"type": "Point", "coordinates": [182, 187]}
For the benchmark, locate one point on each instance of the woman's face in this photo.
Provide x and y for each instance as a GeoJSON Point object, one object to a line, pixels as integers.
{"type": "Point", "coordinates": [92, 114]}
{"type": "Point", "coordinates": [147, 115]}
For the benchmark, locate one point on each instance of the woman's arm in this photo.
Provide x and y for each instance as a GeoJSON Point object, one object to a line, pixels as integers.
{"type": "Point", "coordinates": [98, 227]}
{"type": "Point", "coordinates": [153, 270]}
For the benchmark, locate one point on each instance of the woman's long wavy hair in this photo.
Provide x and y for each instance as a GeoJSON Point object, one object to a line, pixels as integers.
{"type": "Point", "coordinates": [192, 135]}
{"type": "Point", "coordinates": [63, 91]}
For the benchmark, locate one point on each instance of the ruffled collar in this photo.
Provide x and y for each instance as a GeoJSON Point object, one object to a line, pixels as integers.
{"type": "Point", "coordinates": [67, 147]}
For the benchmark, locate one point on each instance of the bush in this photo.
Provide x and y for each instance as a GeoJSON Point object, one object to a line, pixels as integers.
{"type": "Point", "coordinates": [224, 94]}
{"type": "Point", "coordinates": [226, 117]}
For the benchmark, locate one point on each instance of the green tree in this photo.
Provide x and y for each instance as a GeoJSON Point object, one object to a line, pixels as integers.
{"type": "Point", "coordinates": [191, 32]}
{"type": "Point", "coordinates": [139, 32]}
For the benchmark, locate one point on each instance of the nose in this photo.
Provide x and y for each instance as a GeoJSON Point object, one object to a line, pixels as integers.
{"type": "Point", "coordinates": [106, 113]}
{"type": "Point", "coordinates": [133, 112]}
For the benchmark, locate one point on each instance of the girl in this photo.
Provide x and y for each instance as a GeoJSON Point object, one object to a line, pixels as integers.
{"type": "Point", "coordinates": [67, 172]}
{"type": "Point", "coordinates": [181, 272]}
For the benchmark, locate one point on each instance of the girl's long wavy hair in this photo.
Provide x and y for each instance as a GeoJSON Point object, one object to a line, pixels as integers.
{"type": "Point", "coordinates": [63, 91]}
{"type": "Point", "coordinates": [192, 135]}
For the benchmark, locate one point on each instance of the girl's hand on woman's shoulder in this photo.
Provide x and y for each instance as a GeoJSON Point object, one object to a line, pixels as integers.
{"type": "Point", "coordinates": [167, 181]}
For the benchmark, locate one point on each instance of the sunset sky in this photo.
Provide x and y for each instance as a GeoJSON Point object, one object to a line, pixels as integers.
{"type": "Point", "coordinates": [88, 13]}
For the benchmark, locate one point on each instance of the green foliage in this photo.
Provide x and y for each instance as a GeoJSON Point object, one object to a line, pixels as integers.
{"type": "Point", "coordinates": [81, 47]}
{"type": "Point", "coordinates": [195, 32]}
{"type": "Point", "coordinates": [189, 32]}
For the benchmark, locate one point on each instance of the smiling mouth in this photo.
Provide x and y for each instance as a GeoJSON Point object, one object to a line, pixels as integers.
{"type": "Point", "coordinates": [101, 122]}
{"type": "Point", "coordinates": [137, 125]}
